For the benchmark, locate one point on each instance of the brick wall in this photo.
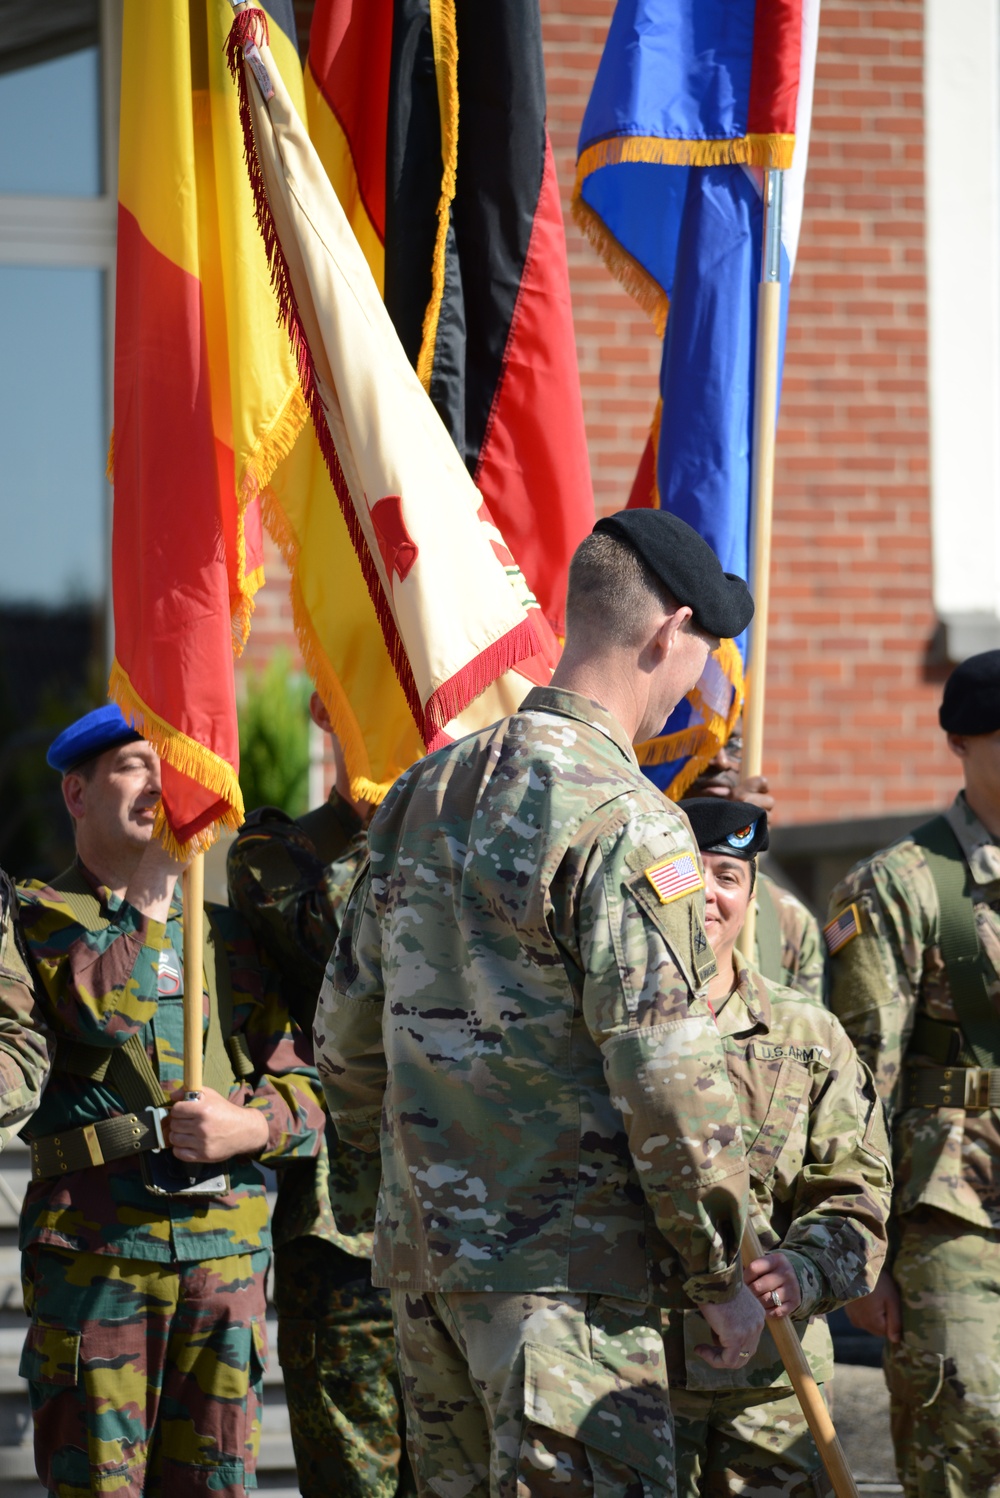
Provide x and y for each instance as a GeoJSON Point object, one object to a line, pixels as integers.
{"type": "Point", "coordinates": [852, 697]}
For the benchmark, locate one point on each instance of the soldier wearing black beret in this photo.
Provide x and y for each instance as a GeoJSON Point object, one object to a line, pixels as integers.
{"type": "Point", "coordinates": [915, 937]}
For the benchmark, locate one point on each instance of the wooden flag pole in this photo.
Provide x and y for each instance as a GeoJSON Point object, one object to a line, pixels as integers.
{"type": "Point", "coordinates": [805, 1386]}
{"type": "Point", "coordinates": [765, 419]}
{"type": "Point", "coordinates": [193, 880]}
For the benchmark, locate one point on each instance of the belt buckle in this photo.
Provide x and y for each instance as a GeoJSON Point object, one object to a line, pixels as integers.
{"type": "Point", "coordinates": [977, 1087]}
{"type": "Point", "coordinates": [157, 1115]}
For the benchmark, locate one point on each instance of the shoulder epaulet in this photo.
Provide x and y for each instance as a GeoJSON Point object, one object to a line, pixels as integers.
{"type": "Point", "coordinates": [263, 814]}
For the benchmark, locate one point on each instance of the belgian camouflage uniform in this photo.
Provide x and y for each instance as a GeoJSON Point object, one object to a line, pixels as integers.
{"type": "Point", "coordinates": [147, 1342]}
{"type": "Point", "coordinates": [789, 946]}
{"type": "Point", "coordinates": [24, 1047]}
{"type": "Point", "coordinates": [816, 1142]}
{"type": "Point", "coordinates": [889, 987]}
{"type": "Point", "coordinates": [512, 1008]}
{"type": "Point", "coordinates": [290, 880]}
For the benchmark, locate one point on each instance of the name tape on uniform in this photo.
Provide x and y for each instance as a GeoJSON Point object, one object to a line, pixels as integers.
{"type": "Point", "coordinates": [766, 1051]}
{"type": "Point", "coordinates": [842, 929]}
{"type": "Point", "coordinates": [674, 877]}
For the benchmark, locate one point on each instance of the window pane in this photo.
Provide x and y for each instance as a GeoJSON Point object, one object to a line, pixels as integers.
{"type": "Point", "coordinates": [53, 492]}
{"type": "Point", "coordinates": [50, 126]}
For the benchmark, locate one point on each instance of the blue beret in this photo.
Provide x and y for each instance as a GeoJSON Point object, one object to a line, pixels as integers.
{"type": "Point", "coordinates": [733, 827]}
{"type": "Point", "coordinates": [89, 736]}
{"type": "Point", "coordinates": [686, 566]}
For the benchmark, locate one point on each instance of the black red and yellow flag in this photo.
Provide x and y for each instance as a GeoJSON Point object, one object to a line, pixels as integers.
{"type": "Point", "coordinates": [429, 116]}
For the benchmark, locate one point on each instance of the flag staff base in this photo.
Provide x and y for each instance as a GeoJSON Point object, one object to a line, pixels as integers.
{"type": "Point", "coordinates": [193, 885]}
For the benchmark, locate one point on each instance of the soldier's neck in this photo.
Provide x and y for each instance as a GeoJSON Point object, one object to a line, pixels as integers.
{"type": "Point", "coordinates": [986, 809]}
{"type": "Point", "coordinates": [726, 978]}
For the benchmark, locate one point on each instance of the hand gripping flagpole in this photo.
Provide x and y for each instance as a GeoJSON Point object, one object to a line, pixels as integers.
{"type": "Point", "coordinates": [805, 1386]}
{"type": "Point", "coordinates": [193, 884]}
{"type": "Point", "coordinates": [765, 420]}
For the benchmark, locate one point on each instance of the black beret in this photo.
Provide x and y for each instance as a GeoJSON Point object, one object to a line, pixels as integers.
{"type": "Point", "coordinates": [88, 737]}
{"type": "Point", "coordinates": [686, 565]}
{"type": "Point", "coordinates": [733, 827]}
{"type": "Point", "coordinates": [971, 702]}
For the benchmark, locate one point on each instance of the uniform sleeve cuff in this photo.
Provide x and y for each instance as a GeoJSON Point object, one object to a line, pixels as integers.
{"type": "Point", "coordinates": [812, 1287]}
{"type": "Point", "coordinates": [714, 1289]}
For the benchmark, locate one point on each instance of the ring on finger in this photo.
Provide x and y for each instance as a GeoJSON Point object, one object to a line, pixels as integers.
{"type": "Point", "coordinates": [744, 1354]}
{"type": "Point", "coordinates": [775, 1299]}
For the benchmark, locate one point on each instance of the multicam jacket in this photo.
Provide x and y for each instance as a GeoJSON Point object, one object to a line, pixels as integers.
{"type": "Point", "coordinates": [514, 1002]}
{"type": "Point", "coordinates": [890, 973]}
{"type": "Point", "coordinates": [289, 880]}
{"type": "Point", "coordinates": [24, 1045]}
{"type": "Point", "coordinates": [816, 1143]}
{"type": "Point", "coordinates": [100, 988]}
{"type": "Point", "coordinates": [803, 950]}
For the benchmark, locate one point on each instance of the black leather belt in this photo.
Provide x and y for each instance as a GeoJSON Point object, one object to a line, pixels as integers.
{"type": "Point", "coordinates": [92, 1144]}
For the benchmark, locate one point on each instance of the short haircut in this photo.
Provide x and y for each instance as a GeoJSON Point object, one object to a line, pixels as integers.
{"type": "Point", "coordinates": [612, 592]}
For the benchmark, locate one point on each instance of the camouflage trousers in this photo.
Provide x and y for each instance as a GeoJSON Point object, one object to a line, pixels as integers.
{"type": "Point", "coordinates": [944, 1376]}
{"type": "Point", "coordinates": [338, 1358]}
{"type": "Point", "coordinates": [534, 1396]}
{"type": "Point", "coordinates": [144, 1377]}
{"type": "Point", "coordinates": [754, 1442]}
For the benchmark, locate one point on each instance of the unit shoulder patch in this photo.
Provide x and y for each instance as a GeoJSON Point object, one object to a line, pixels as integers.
{"type": "Point", "coordinates": [674, 877]}
{"type": "Point", "coordinates": [842, 929]}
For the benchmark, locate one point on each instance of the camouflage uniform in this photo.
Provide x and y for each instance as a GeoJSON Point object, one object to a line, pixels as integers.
{"type": "Point", "coordinates": [289, 880]}
{"type": "Point", "coordinates": [559, 1138]}
{"type": "Point", "coordinates": [944, 1376]}
{"type": "Point", "coordinates": [799, 961]}
{"type": "Point", "coordinates": [147, 1342]}
{"type": "Point", "coordinates": [816, 1144]}
{"type": "Point", "coordinates": [24, 1049]}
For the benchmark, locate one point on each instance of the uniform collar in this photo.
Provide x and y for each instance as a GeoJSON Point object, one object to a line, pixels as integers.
{"type": "Point", "coordinates": [584, 710]}
{"type": "Point", "coordinates": [978, 845]}
{"type": "Point", "coordinates": [748, 1007]}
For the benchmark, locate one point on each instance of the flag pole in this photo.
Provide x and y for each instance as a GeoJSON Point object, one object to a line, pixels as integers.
{"type": "Point", "coordinates": [765, 419]}
{"type": "Point", "coordinates": [805, 1386]}
{"type": "Point", "coordinates": [193, 884]}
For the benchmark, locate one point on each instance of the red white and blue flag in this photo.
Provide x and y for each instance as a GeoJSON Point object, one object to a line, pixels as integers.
{"type": "Point", "coordinates": [842, 929]}
{"type": "Point", "coordinates": [673, 877]}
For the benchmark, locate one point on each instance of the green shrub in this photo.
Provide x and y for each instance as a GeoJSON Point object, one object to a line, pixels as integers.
{"type": "Point", "coordinates": [274, 737]}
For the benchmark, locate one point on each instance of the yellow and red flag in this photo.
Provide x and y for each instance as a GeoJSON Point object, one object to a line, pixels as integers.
{"type": "Point", "coordinates": [464, 633]}
{"type": "Point", "coordinates": [206, 402]}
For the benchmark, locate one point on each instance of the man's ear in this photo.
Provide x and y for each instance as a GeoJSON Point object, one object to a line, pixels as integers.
{"type": "Point", "coordinates": [671, 627]}
{"type": "Point", "coordinates": [74, 789]}
{"type": "Point", "coordinates": [957, 745]}
{"type": "Point", "coordinates": [319, 714]}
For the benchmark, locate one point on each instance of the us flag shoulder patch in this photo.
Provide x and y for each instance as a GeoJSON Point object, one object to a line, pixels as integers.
{"type": "Point", "coordinates": [674, 877]}
{"type": "Point", "coordinates": [842, 929]}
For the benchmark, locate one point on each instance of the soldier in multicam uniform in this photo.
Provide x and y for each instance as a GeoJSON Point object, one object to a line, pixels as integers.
{"type": "Point", "coordinates": [915, 937]}
{"type": "Point", "coordinates": [289, 880]}
{"type": "Point", "coordinates": [24, 1047]}
{"type": "Point", "coordinates": [143, 1268]}
{"type": "Point", "coordinates": [816, 1142]}
{"type": "Point", "coordinates": [514, 1005]}
{"type": "Point", "coordinates": [789, 948]}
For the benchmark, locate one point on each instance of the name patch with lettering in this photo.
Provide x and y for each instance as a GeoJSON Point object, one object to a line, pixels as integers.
{"type": "Point", "coordinates": [807, 1054]}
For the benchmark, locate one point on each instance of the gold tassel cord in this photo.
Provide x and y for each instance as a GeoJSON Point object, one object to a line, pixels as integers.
{"type": "Point", "coordinates": [444, 36]}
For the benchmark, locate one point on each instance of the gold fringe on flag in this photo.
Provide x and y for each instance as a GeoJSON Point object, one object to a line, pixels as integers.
{"type": "Point", "coordinates": [746, 150]}
{"type": "Point", "coordinates": [186, 756]}
{"type": "Point", "coordinates": [635, 279]}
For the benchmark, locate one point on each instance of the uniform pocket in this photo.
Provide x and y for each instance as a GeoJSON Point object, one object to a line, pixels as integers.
{"type": "Point", "coordinates": [609, 1412]}
{"type": "Point", "coordinates": [914, 1377]}
{"type": "Point", "coordinates": [50, 1356]}
{"type": "Point", "coordinates": [296, 1343]}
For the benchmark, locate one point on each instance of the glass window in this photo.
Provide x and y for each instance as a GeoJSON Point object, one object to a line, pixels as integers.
{"type": "Point", "coordinates": [50, 126]}
{"type": "Point", "coordinates": [53, 492]}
